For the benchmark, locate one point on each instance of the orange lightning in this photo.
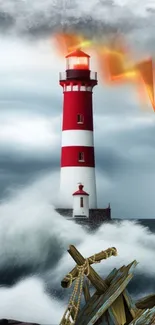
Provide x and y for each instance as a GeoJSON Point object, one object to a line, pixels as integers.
{"type": "Point", "coordinates": [118, 68]}
{"type": "Point", "coordinates": [69, 42]}
{"type": "Point", "coordinates": [113, 60]}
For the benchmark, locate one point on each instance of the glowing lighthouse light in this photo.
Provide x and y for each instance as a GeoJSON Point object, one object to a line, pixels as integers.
{"type": "Point", "coordinates": [77, 150]}
{"type": "Point", "coordinates": [77, 62]}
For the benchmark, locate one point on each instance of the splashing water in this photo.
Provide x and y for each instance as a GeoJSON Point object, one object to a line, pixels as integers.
{"type": "Point", "coordinates": [33, 252]}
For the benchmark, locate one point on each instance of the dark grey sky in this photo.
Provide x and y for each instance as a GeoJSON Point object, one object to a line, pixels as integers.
{"type": "Point", "coordinates": [31, 100]}
{"type": "Point", "coordinates": [33, 237]}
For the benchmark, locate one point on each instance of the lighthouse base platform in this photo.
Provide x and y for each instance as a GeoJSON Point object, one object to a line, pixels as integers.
{"type": "Point", "coordinates": [96, 217]}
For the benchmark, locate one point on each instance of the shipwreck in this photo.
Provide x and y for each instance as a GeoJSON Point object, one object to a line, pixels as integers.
{"type": "Point", "coordinates": [111, 303]}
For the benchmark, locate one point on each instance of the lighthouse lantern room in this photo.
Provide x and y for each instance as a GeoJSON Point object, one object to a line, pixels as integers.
{"type": "Point", "coordinates": [77, 60]}
{"type": "Point", "coordinates": [77, 149]}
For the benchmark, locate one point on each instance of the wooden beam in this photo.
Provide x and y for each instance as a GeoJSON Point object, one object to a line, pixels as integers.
{"type": "Point", "coordinates": [112, 251]}
{"type": "Point", "coordinates": [146, 302]}
{"type": "Point", "coordinates": [86, 290]}
{"type": "Point", "coordinates": [93, 276]}
{"type": "Point", "coordinates": [95, 279]}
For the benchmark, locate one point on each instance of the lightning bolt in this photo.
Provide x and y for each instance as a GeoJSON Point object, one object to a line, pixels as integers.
{"type": "Point", "coordinates": [118, 68]}
{"type": "Point", "coordinates": [114, 62]}
{"type": "Point", "coordinates": [146, 70]}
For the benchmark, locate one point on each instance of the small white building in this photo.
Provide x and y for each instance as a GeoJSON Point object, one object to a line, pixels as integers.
{"type": "Point", "coordinates": [80, 203]}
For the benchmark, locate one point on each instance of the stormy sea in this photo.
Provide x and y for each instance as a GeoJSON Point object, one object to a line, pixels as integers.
{"type": "Point", "coordinates": [33, 254]}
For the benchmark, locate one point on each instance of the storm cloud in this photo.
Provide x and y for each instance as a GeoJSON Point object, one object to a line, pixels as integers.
{"type": "Point", "coordinates": [94, 19]}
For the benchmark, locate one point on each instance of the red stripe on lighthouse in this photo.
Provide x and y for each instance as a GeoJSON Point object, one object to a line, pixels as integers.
{"type": "Point", "coordinates": [77, 103]}
{"type": "Point", "coordinates": [70, 156]}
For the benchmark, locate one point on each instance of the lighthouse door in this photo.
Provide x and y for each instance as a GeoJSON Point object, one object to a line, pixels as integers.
{"type": "Point", "coordinates": [81, 202]}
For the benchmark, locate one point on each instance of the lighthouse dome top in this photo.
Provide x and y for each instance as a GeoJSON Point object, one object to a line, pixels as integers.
{"type": "Point", "coordinates": [80, 191]}
{"type": "Point", "coordinates": [78, 53]}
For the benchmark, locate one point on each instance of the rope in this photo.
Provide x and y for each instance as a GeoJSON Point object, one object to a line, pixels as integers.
{"type": "Point", "coordinates": [72, 305]}
{"type": "Point", "coordinates": [83, 270]}
{"type": "Point", "coordinates": [70, 279]}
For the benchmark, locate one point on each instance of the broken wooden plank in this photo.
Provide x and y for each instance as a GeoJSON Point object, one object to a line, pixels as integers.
{"type": "Point", "coordinates": [87, 307]}
{"type": "Point", "coordinates": [146, 302]}
{"type": "Point", "coordinates": [94, 299]}
{"type": "Point", "coordinates": [118, 310]}
{"type": "Point", "coordinates": [132, 307]}
{"type": "Point", "coordinates": [105, 319]}
{"type": "Point", "coordinates": [109, 299]}
{"type": "Point", "coordinates": [147, 317]}
{"type": "Point", "coordinates": [107, 280]}
{"type": "Point", "coordinates": [111, 275]}
{"type": "Point", "coordinates": [93, 276]}
{"type": "Point", "coordinates": [94, 311]}
{"type": "Point", "coordinates": [86, 290]}
{"type": "Point", "coordinates": [119, 271]}
{"type": "Point", "coordinates": [125, 270]}
{"type": "Point", "coordinates": [112, 319]}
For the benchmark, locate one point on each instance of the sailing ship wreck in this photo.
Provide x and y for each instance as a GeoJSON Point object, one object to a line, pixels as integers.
{"type": "Point", "coordinates": [111, 303]}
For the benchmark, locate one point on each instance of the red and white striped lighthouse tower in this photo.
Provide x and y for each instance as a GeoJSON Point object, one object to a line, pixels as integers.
{"type": "Point", "coordinates": [77, 151]}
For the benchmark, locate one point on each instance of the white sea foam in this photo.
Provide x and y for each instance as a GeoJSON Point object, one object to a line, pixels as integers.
{"type": "Point", "coordinates": [27, 301]}
{"type": "Point", "coordinates": [30, 229]}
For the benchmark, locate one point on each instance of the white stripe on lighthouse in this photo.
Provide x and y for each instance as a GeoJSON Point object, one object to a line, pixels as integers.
{"type": "Point", "coordinates": [77, 138]}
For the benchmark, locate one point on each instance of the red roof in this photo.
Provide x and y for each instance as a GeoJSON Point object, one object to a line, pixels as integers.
{"type": "Point", "coordinates": [80, 191]}
{"type": "Point", "coordinates": [78, 53]}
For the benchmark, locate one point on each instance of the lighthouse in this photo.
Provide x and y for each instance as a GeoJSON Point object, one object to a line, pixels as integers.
{"type": "Point", "coordinates": [77, 195]}
{"type": "Point", "coordinates": [77, 150]}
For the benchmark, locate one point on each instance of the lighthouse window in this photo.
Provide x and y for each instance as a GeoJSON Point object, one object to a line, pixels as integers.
{"type": "Point", "coordinates": [75, 88]}
{"type": "Point", "coordinates": [68, 88]}
{"type": "Point", "coordinates": [81, 202]}
{"type": "Point", "coordinates": [81, 156]}
{"type": "Point", "coordinates": [83, 88]}
{"type": "Point", "coordinates": [80, 119]}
